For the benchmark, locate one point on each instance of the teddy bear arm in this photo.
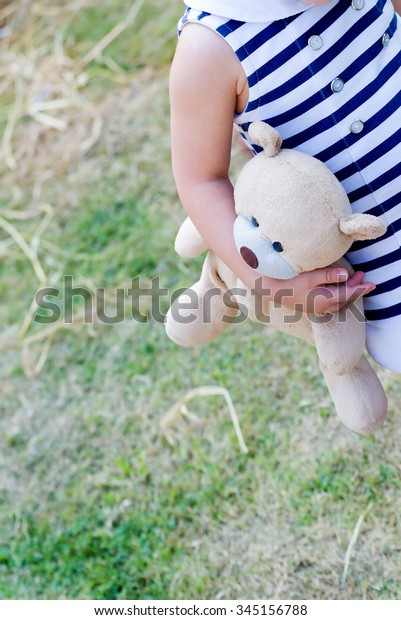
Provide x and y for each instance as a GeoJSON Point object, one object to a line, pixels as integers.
{"type": "Point", "coordinates": [188, 242]}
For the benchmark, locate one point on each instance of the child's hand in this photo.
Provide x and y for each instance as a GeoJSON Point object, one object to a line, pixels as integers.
{"type": "Point", "coordinates": [320, 291]}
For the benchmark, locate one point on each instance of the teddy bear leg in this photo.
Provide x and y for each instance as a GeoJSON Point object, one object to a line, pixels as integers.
{"type": "Point", "coordinates": [358, 397]}
{"type": "Point", "coordinates": [200, 314]}
{"type": "Point", "coordinates": [340, 337]}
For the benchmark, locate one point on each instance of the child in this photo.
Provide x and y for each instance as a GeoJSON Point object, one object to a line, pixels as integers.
{"type": "Point", "coordinates": [327, 75]}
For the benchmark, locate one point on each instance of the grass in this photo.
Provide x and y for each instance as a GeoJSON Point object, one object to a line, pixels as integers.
{"type": "Point", "coordinates": [94, 502]}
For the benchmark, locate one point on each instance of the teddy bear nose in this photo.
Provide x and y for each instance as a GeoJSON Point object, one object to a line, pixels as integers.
{"type": "Point", "coordinates": [249, 257]}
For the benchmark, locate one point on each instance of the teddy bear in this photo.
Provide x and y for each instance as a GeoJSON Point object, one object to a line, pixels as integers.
{"type": "Point", "coordinates": [293, 215]}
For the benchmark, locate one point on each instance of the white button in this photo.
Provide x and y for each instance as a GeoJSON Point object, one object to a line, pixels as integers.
{"type": "Point", "coordinates": [356, 127]}
{"type": "Point", "coordinates": [337, 85]}
{"type": "Point", "coordinates": [385, 39]}
{"type": "Point", "coordinates": [358, 5]}
{"type": "Point", "coordinates": [315, 42]}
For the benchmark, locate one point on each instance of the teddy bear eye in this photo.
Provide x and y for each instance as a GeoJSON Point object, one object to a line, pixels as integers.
{"type": "Point", "coordinates": [277, 246]}
{"type": "Point", "coordinates": [254, 222]}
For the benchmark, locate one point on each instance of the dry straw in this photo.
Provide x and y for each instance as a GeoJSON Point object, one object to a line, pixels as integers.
{"type": "Point", "coordinates": [43, 100]}
{"type": "Point", "coordinates": [353, 542]}
{"type": "Point", "coordinates": [171, 420]}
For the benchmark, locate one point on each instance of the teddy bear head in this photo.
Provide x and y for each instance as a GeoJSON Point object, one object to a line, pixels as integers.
{"type": "Point", "coordinates": [293, 215]}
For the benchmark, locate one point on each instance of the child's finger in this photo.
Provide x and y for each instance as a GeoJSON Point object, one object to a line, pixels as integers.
{"type": "Point", "coordinates": [339, 296]}
{"type": "Point", "coordinates": [328, 275]}
{"type": "Point", "coordinates": [329, 298]}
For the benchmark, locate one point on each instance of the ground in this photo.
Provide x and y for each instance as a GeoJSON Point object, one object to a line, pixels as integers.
{"type": "Point", "coordinates": [94, 501]}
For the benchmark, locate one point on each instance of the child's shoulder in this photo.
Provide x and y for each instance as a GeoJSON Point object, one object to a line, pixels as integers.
{"type": "Point", "coordinates": [203, 41]}
{"type": "Point", "coordinates": [204, 59]}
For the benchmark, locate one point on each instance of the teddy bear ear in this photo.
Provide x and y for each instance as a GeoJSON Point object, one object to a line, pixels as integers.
{"type": "Point", "coordinates": [266, 136]}
{"type": "Point", "coordinates": [362, 226]}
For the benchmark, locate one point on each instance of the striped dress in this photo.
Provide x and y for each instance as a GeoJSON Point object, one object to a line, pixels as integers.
{"type": "Point", "coordinates": [328, 78]}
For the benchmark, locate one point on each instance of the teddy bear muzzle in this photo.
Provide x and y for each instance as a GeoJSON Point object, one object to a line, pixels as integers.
{"type": "Point", "coordinates": [258, 252]}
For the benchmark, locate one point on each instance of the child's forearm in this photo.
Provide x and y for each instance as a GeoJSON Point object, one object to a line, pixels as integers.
{"type": "Point", "coordinates": [210, 205]}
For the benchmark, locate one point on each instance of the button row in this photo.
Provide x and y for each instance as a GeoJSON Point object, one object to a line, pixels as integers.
{"type": "Point", "coordinates": [315, 42]}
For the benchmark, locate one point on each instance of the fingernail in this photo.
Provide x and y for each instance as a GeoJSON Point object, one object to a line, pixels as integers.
{"type": "Point", "coordinates": [343, 275]}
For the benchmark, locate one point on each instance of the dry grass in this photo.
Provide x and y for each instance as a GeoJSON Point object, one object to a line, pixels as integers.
{"type": "Point", "coordinates": [42, 83]}
{"type": "Point", "coordinates": [50, 124]}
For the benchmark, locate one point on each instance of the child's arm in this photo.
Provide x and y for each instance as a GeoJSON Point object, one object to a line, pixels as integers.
{"type": "Point", "coordinates": [206, 84]}
{"type": "Point", "coordinates": [397, 6]}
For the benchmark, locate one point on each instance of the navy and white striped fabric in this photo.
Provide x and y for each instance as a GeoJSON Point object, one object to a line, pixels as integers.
{"type": "Point", "coordinates": [290, 65]}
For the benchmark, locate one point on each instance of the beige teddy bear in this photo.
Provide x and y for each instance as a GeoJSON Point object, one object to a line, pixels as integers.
{"type": "Point", "coordinates": [292, 216]}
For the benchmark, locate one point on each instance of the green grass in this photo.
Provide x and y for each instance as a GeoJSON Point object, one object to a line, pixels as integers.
{"type": "Point", "coordinates": [94, 502]}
